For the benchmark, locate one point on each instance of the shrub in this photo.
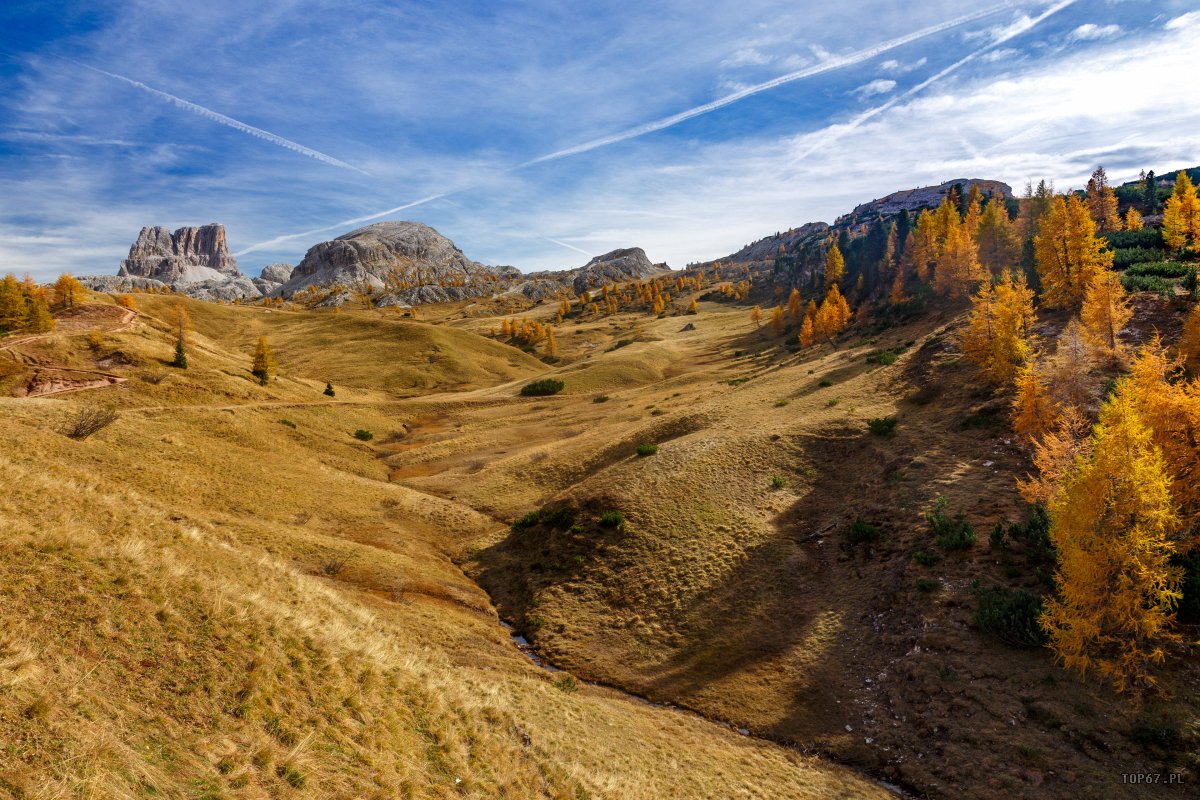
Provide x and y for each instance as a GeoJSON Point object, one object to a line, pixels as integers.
{"type": "Point", "coordinates": [644, 450]}
{"type": "Point", "coordinates": [1150, 238]}
{"type": "Point", "coordinates": [363, 436]}
{"type": "Point", "coordinates": [567, 684]}
{"type": "Point", "coordinates": [885, 357]}
{"type": "Point", "coordinates": [862, 531]}
{"type": "Point", "coordinates": [527, 521]}
{"type": "Point", "coordinates": [780, 403]}
{"type": "Point", "coordinates": [95, 340]}
{"type": "Point", "coordinates": [1125, 256]}
{"type": "Point", "coordinates": [778, 481]}
{"type": "Point", "coordinates": [612, 519]}
{"type": "Point", "coordinates": [951, 534]}
{"type": "Point", "coordinates": [542, 388]}
{"type": "Point", "coordinates": [334, 566]}
{"type": "Point", "coordinates": [600, 398]}
{"type": "Point", "coordinates": [1145, 283]}
{"type": "Point", "coordinates": [1011, 615]}
{"type": "Point", "coordinates": [824, 383]}
{"type": "Point", "coordinates": [926, 558]}
{"type": "Point", "coordinates": [882, 426]}
{"type": "Point", "coordinates": [1163, 269]}
{"type": "Point", "coordinates": [928, 585]}
{"type": "Point", "coordinates": [88, 421]}
{"type": "Point", "coordinates": [621, 343]}
{"type": "Point", "coordinates": [288, 422]}
{"type": "Point", "coordinates": [329, 392]}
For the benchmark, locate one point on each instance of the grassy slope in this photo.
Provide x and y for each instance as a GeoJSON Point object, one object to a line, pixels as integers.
{"type": "Point", "coordinates": [175, 622]}
{"type": "Point", "coordinates": [745, 601]}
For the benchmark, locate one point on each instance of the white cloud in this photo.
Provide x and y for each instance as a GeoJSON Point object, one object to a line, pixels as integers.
{"type": "Point", "coordinates": [877, 86]}
{"type": "Point", "coordinates": [898, 67]}
{"type": "Point", "coordinates": [747, 56]}
{"type": "Point", "coordinates": [1188, 20]}
{"type": "Point", "coordinates": [1001, 54]}
{"type": "Point", "coordinates": [1090, 31]}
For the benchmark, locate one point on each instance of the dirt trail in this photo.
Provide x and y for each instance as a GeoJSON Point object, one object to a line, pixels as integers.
{"type": "Point", "coordinates": [72, 322]}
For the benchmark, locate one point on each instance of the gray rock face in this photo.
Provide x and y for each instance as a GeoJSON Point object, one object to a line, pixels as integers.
{"type": "Point", "coordinates": [397, 258]}
{"type": "Point", "coordinates": [189, 255]}
{"type": "Point", "coordinates": [615, 267]}
{"type": "Point", "coordinates": [272, 277]}
{"type": "Point", "coordinates": [924, 197]}
{"type": "Point", "coordinates": [767, 249]}
{"type": "Point", "coordinates": [117, 283]}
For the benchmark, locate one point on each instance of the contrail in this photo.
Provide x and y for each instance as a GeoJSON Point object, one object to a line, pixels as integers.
{"type": "Point", "coordinates": [218, 117]}
{"type": "Point", "coordinates": [568, 246]}
{"type": "Point", "coordinates": [342, 224]}
{"type": "Point", "coordinates": [835, 132]}
{"type": "Point", "coordinates": [826, 66]}
{"type": "Point", "coordinates": [641, 130]}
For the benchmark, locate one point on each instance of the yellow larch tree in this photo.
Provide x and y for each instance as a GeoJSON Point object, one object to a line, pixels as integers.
{"type": "Point", "coordinates": [1055, 454]}
{"type": "Point", "coordinates": [756, 316]}
{"type": "Point", "coordinates": [1067, 252]}
{"type": "Point", "coordinates": [1133, 220]}
{"type": "Point", "coordinates": [1102, 202]}
{"type": "Point", "coordinates": [806, 332]}
{"type": "Point", "coordinates": [1105, 313]}
{"type": "Point", "coordinates": [998, 328]}
{"type": "Point", "coordinates": [67, 291]}
{"type": "Point", "coordinates": [778, 321]}
{"type": "Point", "coordinates": [264, 362]}
{"type": "Point", "coordinates": [1071, 379]}
{"type": "Point", "coordinates": [1189, 341]}
{"type": "Point", "coordinates": [1171, 407]}
{"type": "Point", "coordinates": [1181, 215]}
{"type": "Point", "coordinates": [835, 266]}
{"type": "Point", "coordinates": [999, 246]}
{"type": "Point", "coordinates": [958, 270]}
{"type": "Point", "coordinates": [921, 252]}
{"type": "Point", "coordinates": [1111, 524]}
{"type": "Point", "coordinates": [551, 346]}
{"type": "Point", "coordinates": [1034, 412]}
{"type": "Point", "coordinates": [795, 306]}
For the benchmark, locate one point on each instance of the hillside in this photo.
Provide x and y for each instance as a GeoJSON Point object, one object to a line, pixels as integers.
{"type": "Point", "coordinates": [222, 594]}
{"type": "Point", "coordinates": [700, 534]}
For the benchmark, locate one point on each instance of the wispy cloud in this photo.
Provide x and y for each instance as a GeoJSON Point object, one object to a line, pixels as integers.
{"type": "Point", "coordinates": [877, 86]}
{"type": "Point", "coordinates": [828, 64]}
{"type": "Point", "coordinates": [1023, 25]}
{"type": "Point", "coordinates": [1090, 31]}
{"type": "Point", "coordinates": [227, 121]}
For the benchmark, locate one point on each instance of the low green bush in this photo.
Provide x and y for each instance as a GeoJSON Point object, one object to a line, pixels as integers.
{"type": "Point", "coordinates": [862, 531]}
{"type": "Point", "coordinates": [882, 426]}
{"type": "Point", "coordinates": [542, 387]}
{"type": "Point", "coordinates": [363, 436]}
{"type": "Point", "coordinates": [612, 519]}
{"type": "Point", "coordinates": [1011, 615]}
{"type": "Point", "coordinates": [928, 585]}
{"type": "Point", "coordinates": [644, 450]}
{"type": "Point", "coordinates": [951, 533]}
{"type": "Point", "coordinates": [600, 398]}
{"type": "Point", "coordinates": [778, 481]}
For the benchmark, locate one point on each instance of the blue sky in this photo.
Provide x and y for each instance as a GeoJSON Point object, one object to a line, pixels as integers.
{"type": "Point", "coordinates": [543, 130]}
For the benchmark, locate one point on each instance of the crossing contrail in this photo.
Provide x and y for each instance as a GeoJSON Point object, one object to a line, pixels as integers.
{"type": "Point", "coordinates": [835, 132]}
{"type": "Point", "coordinates": [641, 130]}
{"type": "Point", "coordinates": [343, 224]}
{"type": "Point", "coordinates": [838, 62]}
{"type": "Point", "coordinates": [568, 246]}
{"type": "Point", "coordinates": [230, 122]}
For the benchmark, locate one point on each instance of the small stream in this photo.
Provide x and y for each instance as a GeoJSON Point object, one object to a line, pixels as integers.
{"type": "Point", "coordinates": [522, 644]}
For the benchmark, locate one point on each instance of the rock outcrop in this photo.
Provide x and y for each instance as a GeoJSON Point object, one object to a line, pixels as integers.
{"type": "Point", "coordinates": [189, 255]}
{"type": "Point", "coordinates": [408, 261]}
{"type": "Point", "coordinates": [191, 261]}
{"type": "Point", "coordinates": [272, 277]}
{"type": "Point", "coordinates": [912, 200]}
{"type": "Point", "coordinates": [615, 267]}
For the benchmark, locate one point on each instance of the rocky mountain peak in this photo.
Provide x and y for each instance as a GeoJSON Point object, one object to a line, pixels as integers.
{"type": "Point", "coordinates": [188, 255]}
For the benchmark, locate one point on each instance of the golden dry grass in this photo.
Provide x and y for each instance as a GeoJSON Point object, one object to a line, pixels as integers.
{"type": "Point", "coordinates": [203, 601]}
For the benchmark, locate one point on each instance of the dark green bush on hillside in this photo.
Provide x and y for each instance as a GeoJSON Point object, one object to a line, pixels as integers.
{"type": "Point", "coordinates": [1163, 269]}
{"type": "Point", "coordinates": [882, 426]}
{"type": "Point", "coordinates": [1126, 256]}
{"type": "Point", "coordinates": [644, 450]}
{"type": "Point", "coordinates": [363, 436]}
{"type": "Point", "coordinates": [1150, 238]}
{"type": "Point", "coordinates": [951, 533]}
{"type": "Point", "coordinates": [1011, 615]}
{"type": "Point", "coordinates": [1146, 283]}
{"type": "Point", "coordinates": [862, 531]}
{"type": "Point", "coordinates": [541, 388]}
